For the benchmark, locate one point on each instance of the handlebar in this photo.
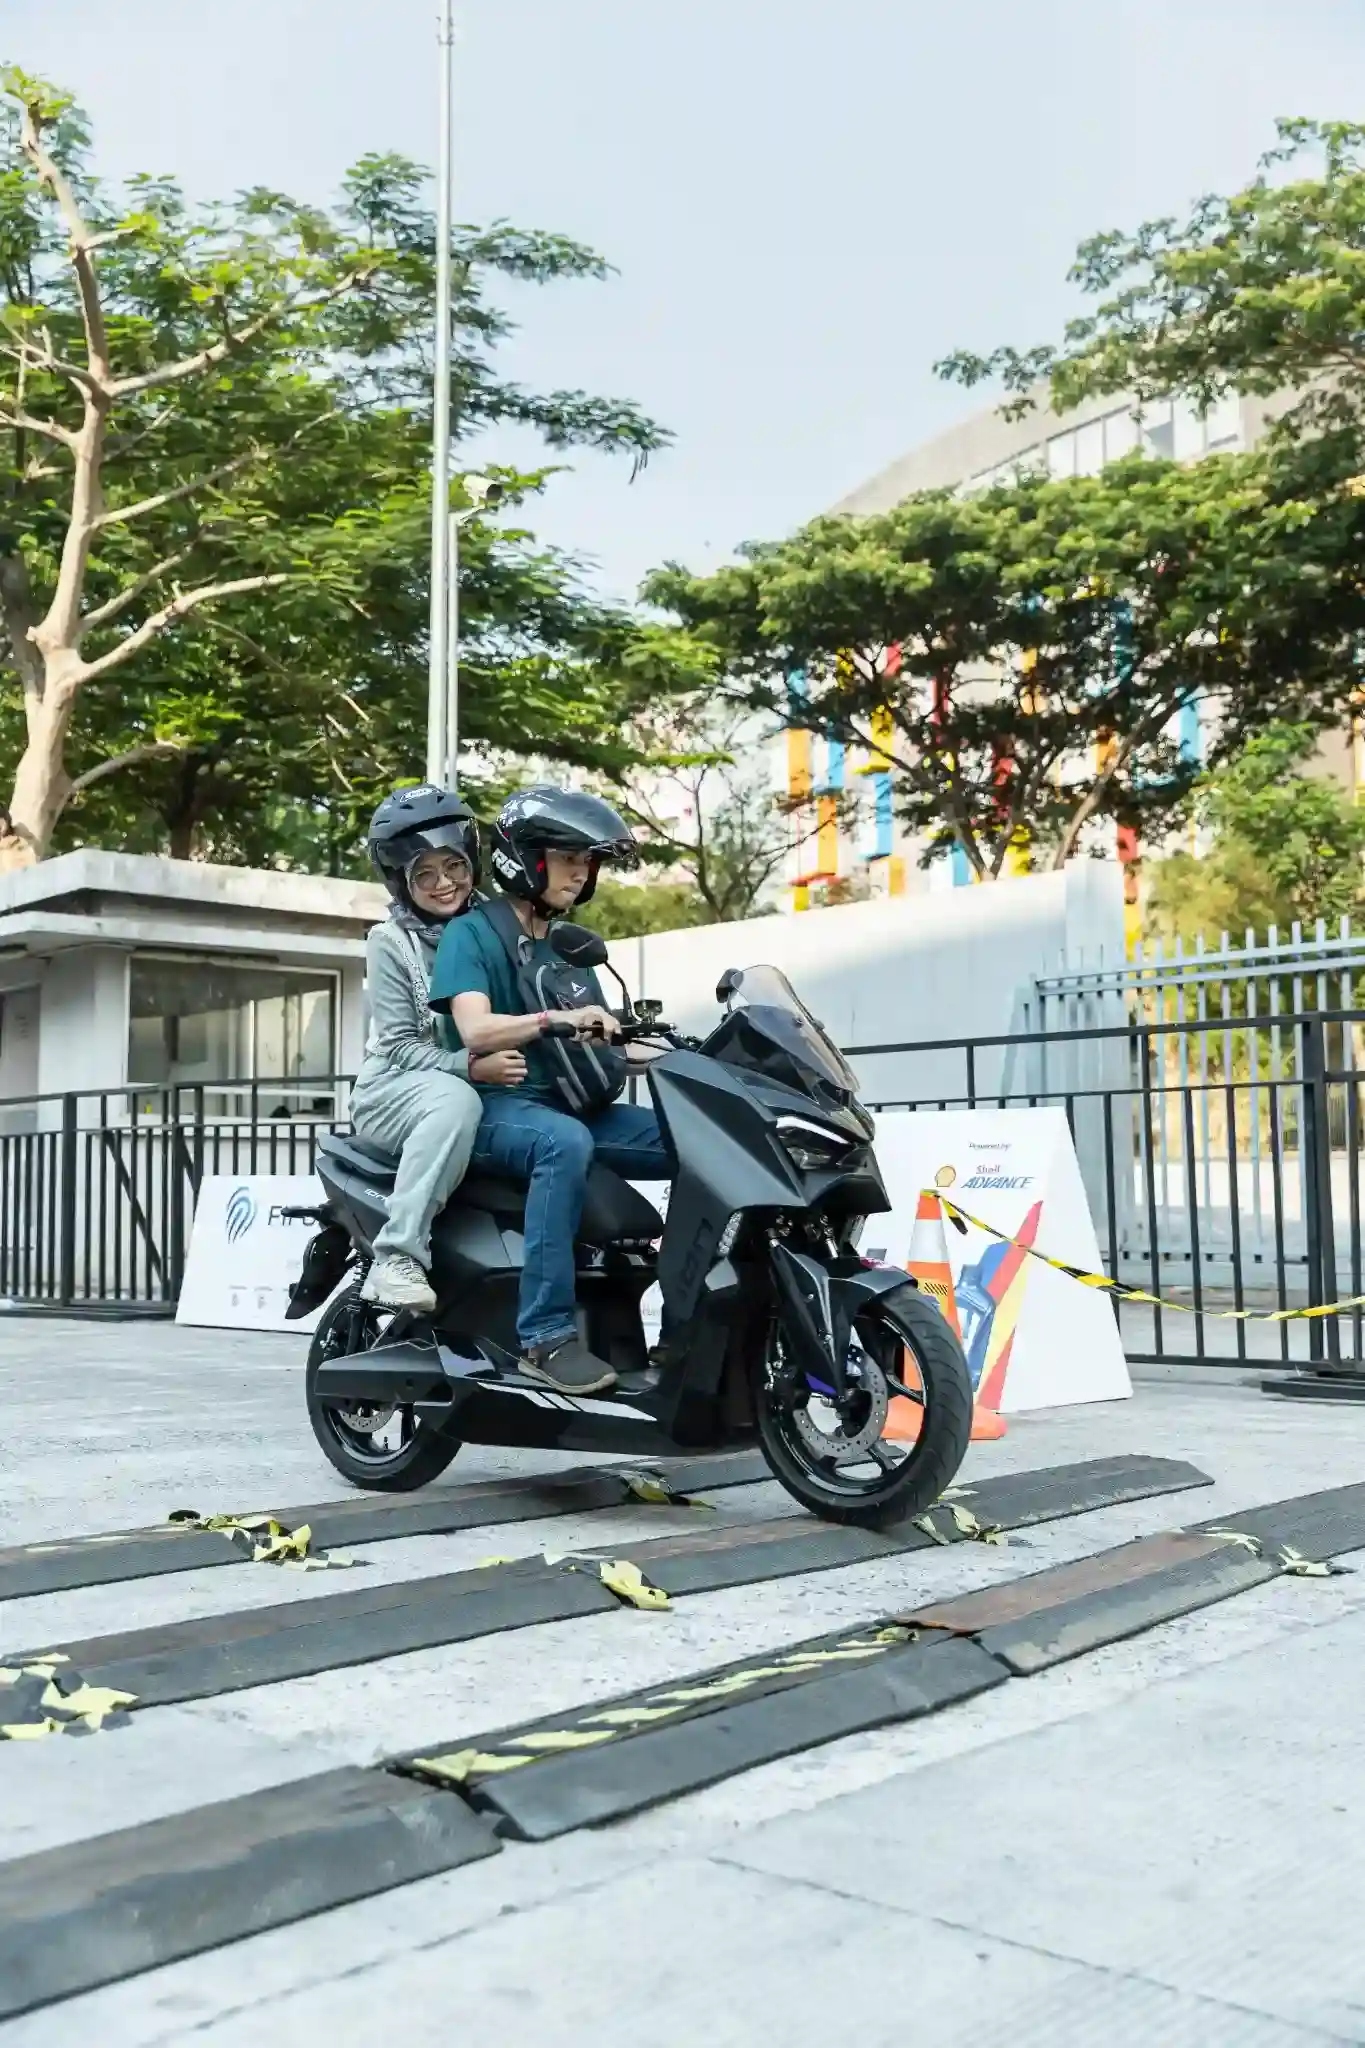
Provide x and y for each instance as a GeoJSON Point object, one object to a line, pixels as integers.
{"type": "Point", "coordinates": [631, 1030]}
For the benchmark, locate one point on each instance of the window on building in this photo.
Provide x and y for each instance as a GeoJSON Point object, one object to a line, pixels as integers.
{"type": "Point", "coordinates": [194, 1022]}
{"type": "Point", "coordinates": [1223, 423]}
{"type": "Point", "coordinates": [1187, 431]}
{"type": "Point", "coordinates": [1061, 454]}
{"type": "Point", "coordinates": [1120, 434]}
{"type": "Point", "coordinates": [1157, 426]}
{"type": "Point", "coordinates": [1090, 448]}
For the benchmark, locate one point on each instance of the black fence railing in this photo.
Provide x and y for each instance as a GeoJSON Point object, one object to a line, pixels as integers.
{"type": "Point", "coordinates": [1221, 1161]}
{"type": "Point", "coordinates": [97, 1188]}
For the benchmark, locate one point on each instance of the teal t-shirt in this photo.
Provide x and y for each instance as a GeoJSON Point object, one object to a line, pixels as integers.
{"type": "Point", "coordinates": [472, 960]}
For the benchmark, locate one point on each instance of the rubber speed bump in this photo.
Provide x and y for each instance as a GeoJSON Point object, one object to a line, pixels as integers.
{"type": "Point", "coordinates": [1049, 1617]}
{"type": "Point", "coordinates": [578, 1770]}
{"type": "Point", "coordinates": [74, 1918]}
{"type": "Point", "coordinates": [59, 1567]}
{"type": "Point", "coordinates": [223, 1653]}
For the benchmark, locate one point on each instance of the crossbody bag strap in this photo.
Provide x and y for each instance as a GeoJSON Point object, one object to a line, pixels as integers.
{"type": "Point", "coordinates": [507, 927]}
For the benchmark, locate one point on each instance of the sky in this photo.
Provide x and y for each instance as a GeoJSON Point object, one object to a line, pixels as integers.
{"type": "Point", "coordinates": [807, 201]}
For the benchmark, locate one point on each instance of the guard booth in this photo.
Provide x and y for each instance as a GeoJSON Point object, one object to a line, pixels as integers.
{"type": "Point", "coordinates": [160, 1019]}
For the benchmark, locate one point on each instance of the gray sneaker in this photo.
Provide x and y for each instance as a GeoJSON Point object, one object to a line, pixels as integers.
{"type": "Point", "coordinates": [396, 1281]}
{"type": "Point", "coordinates": [569, 1367]}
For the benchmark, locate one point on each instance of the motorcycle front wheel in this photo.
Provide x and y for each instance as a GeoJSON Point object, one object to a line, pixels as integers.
{"type": "Point", "coordinates": [900, 1437]}
{"type": "Point", "coordinates": [384, 1449]}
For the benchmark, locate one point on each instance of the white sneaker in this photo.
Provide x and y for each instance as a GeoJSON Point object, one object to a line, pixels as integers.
{"type": "Point", "coordinates": [398, 1282]}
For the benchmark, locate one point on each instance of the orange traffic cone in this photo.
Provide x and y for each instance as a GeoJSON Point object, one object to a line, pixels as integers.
{"type": "Point", "coordinates": [928, 1261]}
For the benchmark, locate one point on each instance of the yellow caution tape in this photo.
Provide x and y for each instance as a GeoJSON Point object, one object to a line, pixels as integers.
{"type": "Point", "coordinates": [1291, 1562]}
{"type": "Point", "coordinates": [617, 1574]}
{"type": "Point", "coordinates": [461, 1765]}
{"type": "Point", "coordinates": [1239, 1537]}
{"type": "Point", "coordinates": [655, 1490]}
{"type": "Point", "coordinates": [967, 1525]}
{"type": "Point", "coordinates": [1103, 1284]}
{"type": "Point", "coordinates": [964, 1521]}
{"type": "Point", "coordinates": [606, 1723]}
{"type": "Point", "coordinates": [89, 1699]}
{"type": "Point", "coordinates": [629, 1583]}
{"type": "Point", "coordinates": [553, 1739]}
{"type": "Point", "coordinates": [265, 1540]}
{"type": "Point", "coordinates": [84, 1706]}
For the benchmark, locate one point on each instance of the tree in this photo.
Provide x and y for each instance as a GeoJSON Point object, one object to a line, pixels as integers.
{"type": "Point", "coordinates": [1287, 846]}
{"type": "Point", "coordinates": [214, 489]}
{"type": "Point", "coordinates": [632, 910]}
{"type": "Point", "coordinates": [1018, 657]}
{"type": "Point", "coordinates": [1261, 293]}
{"type": "Point", "coordinates": [703, 802]}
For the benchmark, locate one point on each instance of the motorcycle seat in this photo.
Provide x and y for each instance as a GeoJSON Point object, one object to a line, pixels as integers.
{"type": "Point", "coordinates": [612, 1208]}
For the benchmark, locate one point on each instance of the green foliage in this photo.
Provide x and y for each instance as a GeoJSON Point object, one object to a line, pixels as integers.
{"type": "Point", "coordinates": [1262, 292]}
{"type": "Point", "coordinates": [629, 910]}
{"type": "Point", "coordinates": [271, 365]}
{"type": "Point", "coordinates": [1287, 846]}
{"type": "Point", "coordinates": [1032, 645]}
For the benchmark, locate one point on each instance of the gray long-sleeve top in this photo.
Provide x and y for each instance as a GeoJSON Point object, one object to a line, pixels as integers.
{"type": "Point", "coordinates": [404, 1031]}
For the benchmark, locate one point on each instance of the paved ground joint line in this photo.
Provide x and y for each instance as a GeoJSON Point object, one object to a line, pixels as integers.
{"type": "Point", "coordinates": [1104, 1971]}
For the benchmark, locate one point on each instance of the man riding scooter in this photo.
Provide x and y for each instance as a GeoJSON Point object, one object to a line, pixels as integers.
{"type": "Point", "coordinates": [503, 985]}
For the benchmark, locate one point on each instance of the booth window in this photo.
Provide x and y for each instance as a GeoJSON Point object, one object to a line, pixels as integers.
{"type": "Point", "coordinates": [196, 1023]}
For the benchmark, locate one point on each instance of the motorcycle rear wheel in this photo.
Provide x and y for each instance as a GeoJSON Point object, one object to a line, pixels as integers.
{"type": "Point", "coordinates": [350, 1325]}
{"type": "Point", "coordinates": [821, 1457]}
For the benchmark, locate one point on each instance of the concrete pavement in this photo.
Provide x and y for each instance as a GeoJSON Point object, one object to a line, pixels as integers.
{"type": "Point", "coordinates": [1154, 1844]}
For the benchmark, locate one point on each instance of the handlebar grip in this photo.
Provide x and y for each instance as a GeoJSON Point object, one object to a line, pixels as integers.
{"type": "Point", "coordinates": [557, 1027]}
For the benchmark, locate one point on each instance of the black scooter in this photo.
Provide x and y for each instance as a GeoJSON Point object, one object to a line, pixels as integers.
{"type": "Point", "coordinates": [779, 1331]}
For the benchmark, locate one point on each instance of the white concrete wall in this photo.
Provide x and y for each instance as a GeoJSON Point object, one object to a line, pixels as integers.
{"type": "Point", "coordinates": [19, 1009]}
{"type": "Point", "coordinates": [960, 965]}
{"type": "Point", "coordinates": [83, 1022]}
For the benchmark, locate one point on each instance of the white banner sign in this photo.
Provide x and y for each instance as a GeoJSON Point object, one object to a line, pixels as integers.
{"type": "Point", "coordinates": [244, 1254]}
{"type": "Point", "coordinates": [1033, 1337]}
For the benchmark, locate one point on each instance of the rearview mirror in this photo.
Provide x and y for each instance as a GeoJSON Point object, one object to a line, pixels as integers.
{"type": "Point", "coordinates": [580, 947]}
{"type": "Point", "coordinates": [727, 984]}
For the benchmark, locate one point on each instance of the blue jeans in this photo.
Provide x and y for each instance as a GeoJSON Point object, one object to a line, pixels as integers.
{"type": "Point", "coordinates": [555, 1152]}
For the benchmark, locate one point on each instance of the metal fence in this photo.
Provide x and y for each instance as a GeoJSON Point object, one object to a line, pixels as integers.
{"type": "Point", "coordinates": [97, 1189]}
{"type": "Point", "coordinates": [1220, 1153]}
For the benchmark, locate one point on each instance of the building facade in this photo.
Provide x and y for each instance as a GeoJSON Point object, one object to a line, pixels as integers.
{"type": "Point", "coordinates": [847, 840]}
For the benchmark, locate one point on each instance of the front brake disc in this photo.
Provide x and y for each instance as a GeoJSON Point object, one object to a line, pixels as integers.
{"type": "Point", "coordinates": [837, 1439]}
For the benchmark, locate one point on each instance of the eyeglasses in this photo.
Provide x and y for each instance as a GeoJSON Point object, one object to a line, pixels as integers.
{"type": "Point", "coordinates": [439, 874]}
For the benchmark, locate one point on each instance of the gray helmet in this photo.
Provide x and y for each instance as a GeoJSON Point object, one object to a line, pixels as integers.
{"type": "Point", "coordinates": [412, 822]}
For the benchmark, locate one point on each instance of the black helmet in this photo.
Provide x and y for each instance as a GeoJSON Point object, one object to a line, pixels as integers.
{"type": "Point", "coordinates": [535, 821]}
{"type": "Point", "coordinates": [412, 822]}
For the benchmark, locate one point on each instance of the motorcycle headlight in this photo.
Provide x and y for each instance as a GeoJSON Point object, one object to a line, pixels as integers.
{"type": "Point", "coordinates": [812, 1146]}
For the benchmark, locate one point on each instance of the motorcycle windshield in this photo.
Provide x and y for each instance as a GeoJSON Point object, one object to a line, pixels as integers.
{"type": "Point", "coordinates": [768, 989]}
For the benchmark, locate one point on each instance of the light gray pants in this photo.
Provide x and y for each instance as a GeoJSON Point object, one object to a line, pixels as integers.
{"type": "Point", "coordinates": [430, 1120]}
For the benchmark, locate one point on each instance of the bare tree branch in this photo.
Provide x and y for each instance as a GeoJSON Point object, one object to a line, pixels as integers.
{"type": "Point", "coordinates": [24, 353]}
{"type": "Point", "coordinates": [219, 351]}
{"type": "Point", "coordinates": [50, 173]}
{"type": "Point", "coordinates": [27, 423]}
{"type": "Point", "coordinates": [116, 606]}
{"type": "Point", "coordinates": [119, 515]}
{"type": "Point", "coordinates": [154, 750]}
{"type": "Point", "coordinates": [187, 601]}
